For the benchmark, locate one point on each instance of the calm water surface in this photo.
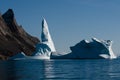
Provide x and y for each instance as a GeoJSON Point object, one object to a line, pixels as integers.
{"type": "Point", "coordinates": [99, 69]}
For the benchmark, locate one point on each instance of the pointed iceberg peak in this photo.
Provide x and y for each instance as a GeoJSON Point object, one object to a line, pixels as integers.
{"type": "Point", "coordinates": [46, 37]}
{"type": "Point", "coordinates": [44, 24]}
{"type": "Point", "coordinates": [45, 31]}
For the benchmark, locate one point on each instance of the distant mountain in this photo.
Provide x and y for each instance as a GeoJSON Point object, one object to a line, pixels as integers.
{"type": "Point", "coordinates": [13, 38]}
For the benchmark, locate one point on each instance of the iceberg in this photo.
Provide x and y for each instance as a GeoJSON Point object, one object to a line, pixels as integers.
{"type": "Point", "coordinates": [18, 56]}
{"type": "Point", "coordinates": [46, 47]}
{"type": "Point", "coordinates": [43, 49]}
{"type": "Point", "coordinates": [46, 37]}
{"type": "Point", "coordinates": [95, 49]}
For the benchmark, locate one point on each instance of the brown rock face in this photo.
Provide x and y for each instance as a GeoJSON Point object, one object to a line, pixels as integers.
{"type": "Point", "coordinates": [13, 38]}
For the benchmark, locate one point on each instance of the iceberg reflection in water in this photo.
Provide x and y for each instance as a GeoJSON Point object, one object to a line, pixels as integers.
{"type": "Point", "coordinates": [99, 69]}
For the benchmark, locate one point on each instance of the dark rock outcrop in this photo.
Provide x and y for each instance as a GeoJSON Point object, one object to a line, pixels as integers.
{"type": "Point", "coordinates": [13, 38]}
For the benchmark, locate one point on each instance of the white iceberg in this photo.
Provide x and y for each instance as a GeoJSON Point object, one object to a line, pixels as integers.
{"type": "Point", "coordinates": [46, 37]}
{"type": "Point", "coordinates": [18, 56]}
{"type": "Point", "coordinates": [43, 49]}
{"type": "Point", "coordinates": [94, 49]}
{"type": "Point", "coordinates": [46, 47]}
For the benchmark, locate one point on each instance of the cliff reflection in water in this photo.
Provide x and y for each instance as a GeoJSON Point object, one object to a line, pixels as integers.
{"type": "Point", "coordinates": [7, 70]}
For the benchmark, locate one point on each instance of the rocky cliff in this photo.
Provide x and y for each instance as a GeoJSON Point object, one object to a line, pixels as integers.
{"type": "Point", "coordinates": [13, 38]}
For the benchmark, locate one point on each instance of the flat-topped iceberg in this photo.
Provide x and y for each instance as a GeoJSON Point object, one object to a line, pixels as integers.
{"type": "Point", "coordinates": [94, 49]}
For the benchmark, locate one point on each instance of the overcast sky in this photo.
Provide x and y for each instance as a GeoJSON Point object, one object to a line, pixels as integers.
{"type": "Point", "coordinates": [69, 21]}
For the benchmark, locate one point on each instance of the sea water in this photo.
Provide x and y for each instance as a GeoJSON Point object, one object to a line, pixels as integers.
{"type": "Point", "coordinates": [60, 69]}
